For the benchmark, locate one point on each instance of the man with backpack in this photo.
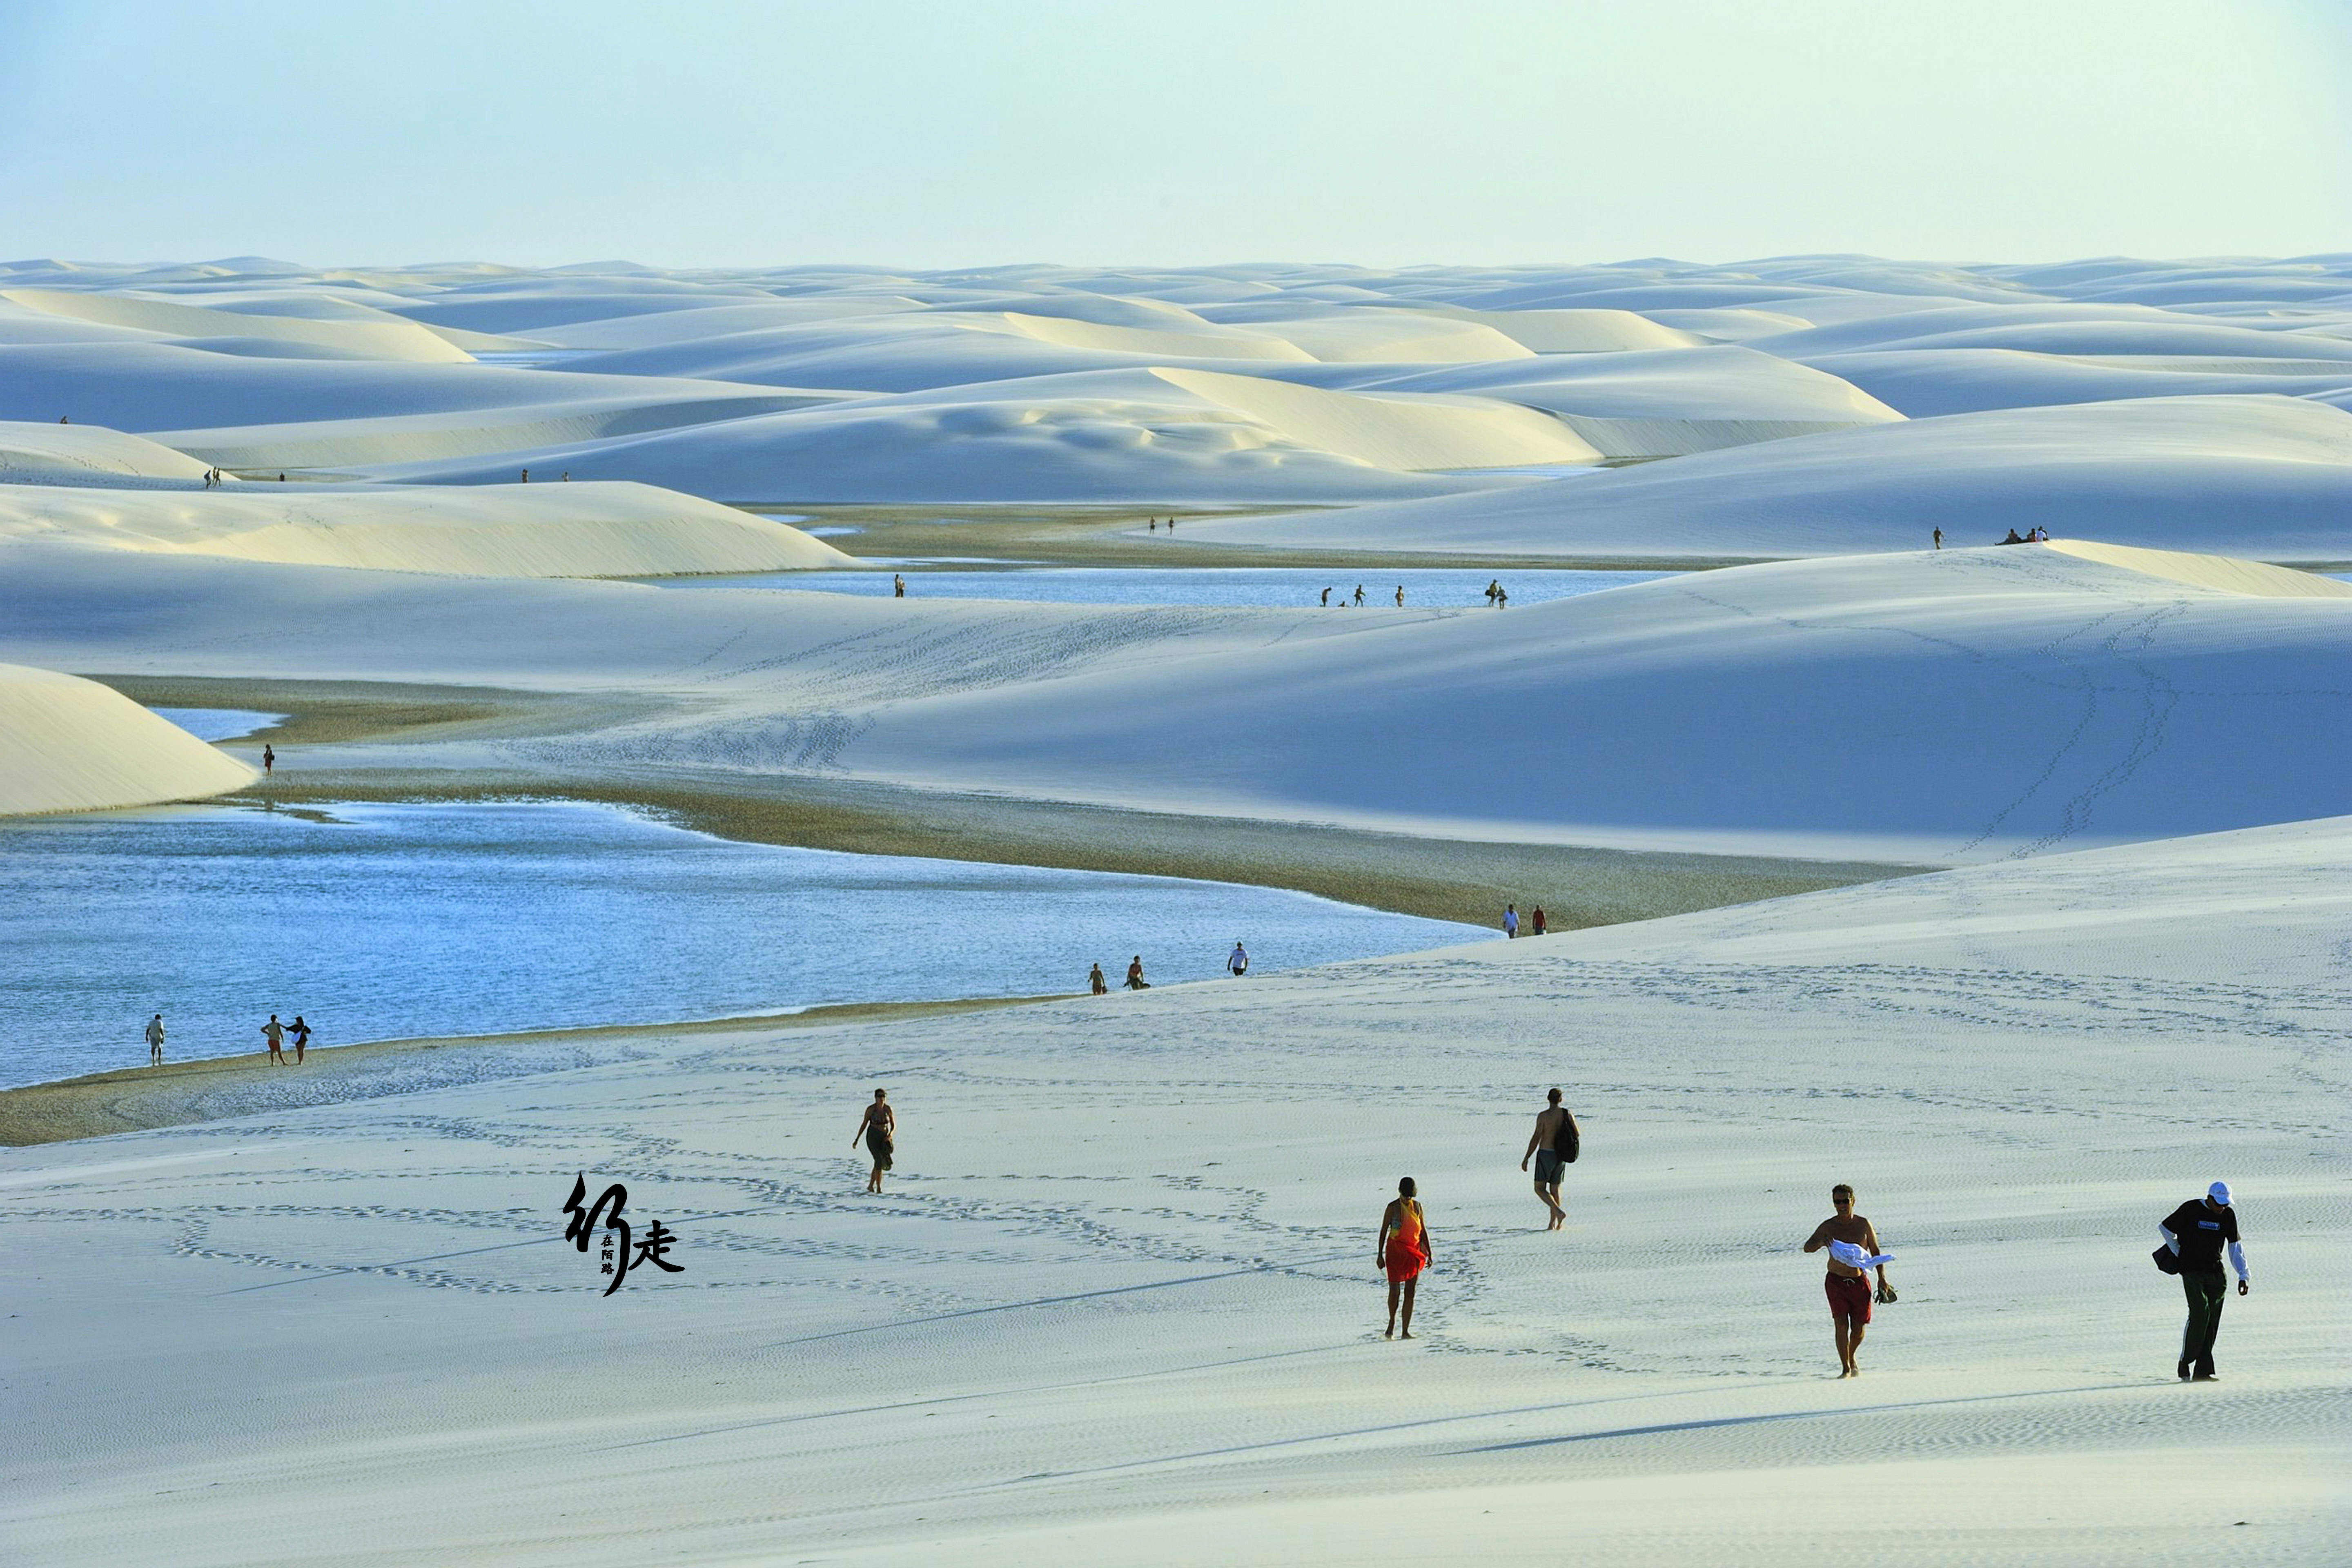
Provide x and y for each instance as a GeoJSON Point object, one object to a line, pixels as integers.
{"type": "Point", "coordinates": [2194, 1236]}
{"type": "Point", "coordinates": [1553, 1147]}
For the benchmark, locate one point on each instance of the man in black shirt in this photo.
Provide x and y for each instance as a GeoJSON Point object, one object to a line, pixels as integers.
{"type": "Point", "coordinates": [2197, 1232]}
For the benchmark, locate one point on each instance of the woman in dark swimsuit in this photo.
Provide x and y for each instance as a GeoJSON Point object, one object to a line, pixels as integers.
{"type": "Point", "coordinates": [879, 1128]}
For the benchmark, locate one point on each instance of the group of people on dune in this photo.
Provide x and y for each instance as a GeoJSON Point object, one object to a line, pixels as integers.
{"type": "Point", "coordinates": [2196, 1237]}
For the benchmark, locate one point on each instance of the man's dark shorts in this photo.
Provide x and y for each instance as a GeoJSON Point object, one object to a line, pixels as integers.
{"type": "Point", "coordinates": [1549, 1167]}
{"type": "Point", "coordinates": [1849, 1297]}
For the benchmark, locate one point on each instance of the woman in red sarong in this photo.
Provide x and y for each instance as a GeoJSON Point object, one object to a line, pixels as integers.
{"type": "Point", "coordinates": [1403, 1252]}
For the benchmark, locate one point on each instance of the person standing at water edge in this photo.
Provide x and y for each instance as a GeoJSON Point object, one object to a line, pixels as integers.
{"type": "Point", "coordinates": [301, 1038]}
{"type": "Point", "coordinates": [1403, 1252]}
{"type": "Point", "coordinates": [1552, 1146]}
{"type": "Point", "coordinates": [268, 759]}
{"type": "Point", "coordinates": [275, 1033]}
{"type": "Point", "coordinates": [1095, 984]}
{"type": "Point", "coordinates": [1237, 962]}
{"type": "Point", "coordinates": [879, 1128]}
{"type": "Point", "coordinates": [2197, 1232]}
{"type": "Point", "coordinates": [897, 586]}
{"type": "Point", "coordinates": [1400, 595]}
{"type": "Point", "coordinates": [155, 1041]}
{"type": "Point", "coordinates": [1359, 593]}
{"type": "Point", "coordinates": [1510, 919]}
{"type": "Point", "coordinates": [1848, 1236]}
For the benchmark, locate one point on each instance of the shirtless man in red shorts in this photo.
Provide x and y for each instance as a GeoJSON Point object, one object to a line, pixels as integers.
{"type": "Point", "coordinates": [1848, 1288]}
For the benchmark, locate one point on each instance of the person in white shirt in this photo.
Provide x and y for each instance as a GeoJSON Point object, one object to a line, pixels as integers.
{"type": "Point", "coordinates": [1237, 963]}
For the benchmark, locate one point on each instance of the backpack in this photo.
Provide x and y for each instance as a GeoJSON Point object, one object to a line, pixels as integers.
{"type": "Point", "coordinates": [1567, 1141]}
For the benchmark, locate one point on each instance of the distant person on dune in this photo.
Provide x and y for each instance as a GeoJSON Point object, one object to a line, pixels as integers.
{"type": "Point", "coordinates": [301, 1038]}
{"type": "Point", "coordinates": [1237, 962]}
{"type": "Point", "coordinates": [154, 1024]}
{"type": "Point", "coordinates": [2014, 537]}
{"type": "Point", "coordinates": [1502, 596]}
{"type": "Point", "coordinates": [1939, 539]}
{"type": "Point", "coordinates": [2194, 1236]}
{"type": "Point", "coordinates": [1135, 979]}
{"type": "Point", "coordinates": [1553, 1147]}
{"type": "Point", "coordinates": [268, 759]}
{"type": "Point", "coordinates": [1400, 595]}
{"type": "Point", "coordinates": [1511, 920]}
{"type": "Point", "coordinates": [1095, 984]}
{"type": "Point", "coordinates": [1359, 593]}
{"type": "Point", "coordinates": [1152, 526]}
{"type": "Point", "coordinates": [879, 1128]}
{"type": "Point", "coordinates": [1327, 598]}
{"type": "Point", "coordinates": [1536, 922]}
{"type": "Point", "coordinates": [1493, 588]}
{"type": "Point", "coordinates": [1403, 1252]}
{"type": "Point", "coordinates": [1853, 1247]}
{"type": "Point", "coordinates": [275, 1033]}
{"type": "Point", "coordinates": [897, 586]}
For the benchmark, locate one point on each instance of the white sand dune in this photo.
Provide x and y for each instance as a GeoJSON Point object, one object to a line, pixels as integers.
{"type": "Point", "coordinates": [1937, 708]}
{"type": "Point", "coordinates": [1143, 438]}
{"type": "Point", "coordinates": [68, 744]}
{"type": "Point", "coordinates": [1398, 432]}
{"type": "Point", "coordinates": [91, 455]}
{"type": "Point", "coordinates": [1117, 1303]}
{"type": "Point", "coordinates": [1925, 383]}
{"type": "Point", "coordinates": [1921, 708]}
{"type": "Point", "coordinates": [613, 529]}
{"type": "Point", "coordinates": [2267, 478]}
{"type": "Point", "coordinates": [608, 363]}
{"type": "Point", "coordinates": [1665, 404]}
{"type": "Point", "coordinates": [383, 338]}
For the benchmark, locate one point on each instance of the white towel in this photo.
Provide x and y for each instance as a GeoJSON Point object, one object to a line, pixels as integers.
{"type": "Point", "coordinates": [1853, 1257]}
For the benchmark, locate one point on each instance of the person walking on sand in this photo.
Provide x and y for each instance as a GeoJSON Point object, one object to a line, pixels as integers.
{"type": "Point", "coordinates": [1493, 588]}
{"type": "Point", "coordinates": [1403, 1252]}
{"type": "Point", "coordinates": [1502, 596]}
{"type": "Point", "coordinates": [1553, 1146]}
{"type": "Point", "coordinates": [1536, 922]}
{"type": "Point", "coordinates": [1939, 539]}
{"type": "Point", "coordinates": [1095, 984]}
{"type": "Point", "coordinates": [1511, 921]}
{"type": "Point", "coordinates": [1400, 595]}
{"type": "Point", "coordinates": [1327, 598]}
{"type": "Point", "coordinates": [1359, 593]}
{"type": "Point", "coordinates": [275, 1033]}
{"type": "Point", "coordinates": [1853, 1252]}
{"type": "Point", "coordinates": [1237, 961]}
{"type": "Point", "coordinates": [155, 1041]}
{"type": "Point", "coordinates": [897, 585]}
{"type": "Point", "coordinates": [268, 759]}
{"type": "Point", "coordinates": [1135, 979]}
{"type": "Point", "coordinates": [2195, 1234]}
{"type": "Point", "coordinates": [879, 1128]}
{"type": "Point", "coordinates": [302, 1033]}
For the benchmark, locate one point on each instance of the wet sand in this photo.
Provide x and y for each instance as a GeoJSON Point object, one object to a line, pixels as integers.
{"type": "Point", "coordinates": [177, 1094]}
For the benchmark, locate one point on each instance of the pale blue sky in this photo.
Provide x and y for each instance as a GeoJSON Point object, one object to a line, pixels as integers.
{"type": "Point", "coordinates": [928, 133]}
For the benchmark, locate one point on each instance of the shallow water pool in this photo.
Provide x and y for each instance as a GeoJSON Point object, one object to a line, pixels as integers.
{"type": "Point", "coordinates": [384, 922]}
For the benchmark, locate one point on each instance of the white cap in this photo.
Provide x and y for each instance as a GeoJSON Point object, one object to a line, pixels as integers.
{"type": "Point", "coordinates": [2220, 1193]}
